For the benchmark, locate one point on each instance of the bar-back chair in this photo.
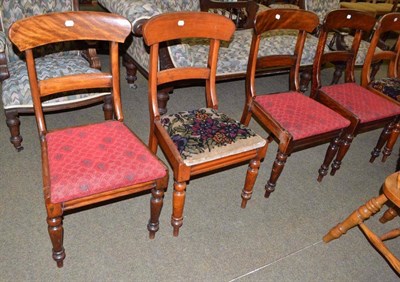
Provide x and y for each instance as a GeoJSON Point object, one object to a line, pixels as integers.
{"type": "Point", "coordinates": [92, 163]}
{"type": "Point", "coordinates": [196, 141]}
{"type": "Point", "coordinates": [291, 118]}
{"type": "Point", "coordinates": [365, 109]}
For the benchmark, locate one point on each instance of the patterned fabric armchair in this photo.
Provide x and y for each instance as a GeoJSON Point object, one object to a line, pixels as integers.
{"type": "Point", "coordinates": [233, 55]}
{"type": "Point", "coordinates": [321, 8]}
{"type": "Point", "coordinates": [16, 96]}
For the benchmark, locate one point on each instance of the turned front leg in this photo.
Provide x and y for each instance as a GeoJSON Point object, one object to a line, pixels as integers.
{"type": "Point", "coordinates": [251, 177]}
{"type": "Point", "coordinates": [178, 203]}
{"type": "Point", "coordinates": [387, 150]}
{"type": "Point", "coordinates": [156, 204]}
{"type": "Point", "coordinates": [343, 148]}
{"type": "Point", "coordinates": [277, 168]}
{"type": "Point", "coordinates": [381, 141]}
{"type": "Point", "coordinates": [56, 232]}
{"type": "Point", "coordinates": [330, 154]}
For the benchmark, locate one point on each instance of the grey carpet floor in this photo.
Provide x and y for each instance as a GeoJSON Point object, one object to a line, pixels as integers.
{"type": "Point", "coordinates": [275, 239]}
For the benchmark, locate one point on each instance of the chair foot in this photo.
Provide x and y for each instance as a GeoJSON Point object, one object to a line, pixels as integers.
{"type": "Point", "coordinates": [59, 257]}
{"type": "Point", "coordinates": [13, 123]}
{"type": "Point", "coordinates": [178, 202]}
{"type": "Point", "coordinates": [269, 188]}
{"type": "Point", "coordinates": [335, 167]}
{"type": "Point", "coordinates": [323, 171]}
{"type": "Point", "coordinates": [176, 224]}
{"type": "Point", "coordinates": [156, 204]}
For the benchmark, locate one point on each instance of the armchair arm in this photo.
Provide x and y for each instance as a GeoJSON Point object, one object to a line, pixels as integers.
{"type": "Point", "coordinates": [4, 74]}
{"type": "Point", "coordinates": [137, 12]}
{"type": "Point", "coordinates": [242, 13]}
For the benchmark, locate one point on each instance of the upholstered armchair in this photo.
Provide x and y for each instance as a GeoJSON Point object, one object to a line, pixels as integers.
{"type": "Point", "coordinates": [16, 96]}
{"type": "Point", "coordinates": [233, 55]}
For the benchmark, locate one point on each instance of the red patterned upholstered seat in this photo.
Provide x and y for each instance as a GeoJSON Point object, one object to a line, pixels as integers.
{"type": "Point", "coordinates": [301, 116]}
{"type": "Point", "coordinates": [361, 101]}
{"type": "Point", "coordinates": [96, 158]}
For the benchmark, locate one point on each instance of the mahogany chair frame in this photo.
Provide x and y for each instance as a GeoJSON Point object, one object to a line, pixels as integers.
{"type": "Point", "coordinates": [174, 26]}
{"type": "Point", "coordinates": [360, 23]}
{"type": "Point", "coordinates": [387, 24]}
{"type": "Point", "coordinates": [36, 31]}
{"type": "Point", "coordinates": [305, 22]}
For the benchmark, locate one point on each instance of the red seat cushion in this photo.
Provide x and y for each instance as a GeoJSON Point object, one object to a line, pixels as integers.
{"type": "Point", "coordinates": [300, 115]}
{"type": "Point", "coordinates": [95, 158]}
{"type": "Point", "coordinates": [362, 102]}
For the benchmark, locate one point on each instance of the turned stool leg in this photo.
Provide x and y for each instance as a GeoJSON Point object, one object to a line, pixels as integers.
{"type": "Point", "coordinates": [156, 204]}
{"type": "Point", "coordinates": [356, 218]}
{"type": "Point", "coordinates": [178, 203]}
{"type": "Point", "coordinates": [389, 215]}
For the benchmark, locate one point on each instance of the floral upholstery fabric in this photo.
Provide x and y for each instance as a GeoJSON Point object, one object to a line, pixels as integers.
{"type": "Point", "coordinates": [16, 89]}
{"type": "Point", "coordinates": [300, 115]}
{"type": "Point", "coordinates": [361, 102]}
{"type": "Point", "coordinates": [203, 135]}
{"type": "Point", "coordinates": [389, 86]}
{"type": "Point", "coordinates": [91, 159]}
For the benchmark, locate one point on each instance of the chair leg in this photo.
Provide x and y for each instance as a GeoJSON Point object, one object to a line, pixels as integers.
{"type": "Point", "coordinates": [108, 108]}
{"type": "Point", "coordinates": [162, 99]}
{"type": "Point", "coordinates": [156, 204]}
{"type": "Point", "coordinates": [387, 150]}
{"type": "Point", "coordinates": [381, 141]}
{"type": "Point", "coordinates": [56, 232]}
{"type": "Point", "coordinates": [178, 203]}
{"type": "Point", "coordinates": [305, 78]}
{"type": "Point", "coordinates": [389, 214]}
{"type": "Point", "coordinates": [251, 177]}
{"type": "Point", "coordinates": [329, 155]}
{"type": "Point", "coordinates": [13, 123]}
{"type": "Point", "coordinates": [356, 218]}
{"type": "Point", "coordinates": [131, 70]}
{"type": "Point", "coordinates": [343, 148]}
{"type": "Point", "coordinates": [277, 168]}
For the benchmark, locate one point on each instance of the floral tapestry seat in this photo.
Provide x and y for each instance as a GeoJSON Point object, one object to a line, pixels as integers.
{"type": "Point", "coordinates": [389, 86]}
{"type": "Point", "coordinates": [205, 134]}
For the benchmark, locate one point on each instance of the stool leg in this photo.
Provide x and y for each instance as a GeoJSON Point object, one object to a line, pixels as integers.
{"type": "Point", "coordinates": [356, 218]}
